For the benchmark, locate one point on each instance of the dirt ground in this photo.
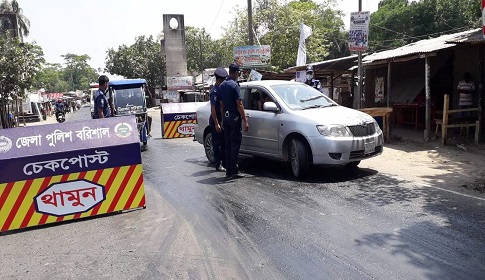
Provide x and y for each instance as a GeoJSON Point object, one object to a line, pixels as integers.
{"type": "Point", "coordinates": [457, 167]}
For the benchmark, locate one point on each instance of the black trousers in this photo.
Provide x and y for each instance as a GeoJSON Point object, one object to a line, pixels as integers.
{"type": "Point", "coordinates": [233, 137]}
{"type": "Point", "coordinates": [218, 145]}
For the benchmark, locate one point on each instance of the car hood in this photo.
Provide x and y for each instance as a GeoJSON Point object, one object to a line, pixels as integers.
{"type": "Point", "coordinates": [335, 115]}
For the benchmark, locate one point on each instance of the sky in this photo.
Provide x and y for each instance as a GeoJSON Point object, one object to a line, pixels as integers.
{"type": "Point", "coordinates": [93, 26]}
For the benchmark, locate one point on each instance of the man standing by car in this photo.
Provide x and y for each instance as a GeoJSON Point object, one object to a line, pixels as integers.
{"type": "Point", "coordinates": [215, 122]}
{"type": "Point", "coordinates": [232, 110]}
{"type": "Point", "coordinates": [312, 82]}
{"type": "Point", "coordinates": [101, 102]}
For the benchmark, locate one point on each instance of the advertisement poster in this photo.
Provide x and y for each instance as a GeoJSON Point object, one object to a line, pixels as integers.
{"type": "Point", "coordinates": [250, 56]}
{"type": "Point", "coordinates": [379, 93]}
{"type": "Point", "coordinates": [176, 83]}
{"type": "Point", "coordinates": [359, 31]}
{"type": "Point", "coordinates": [255, 76]}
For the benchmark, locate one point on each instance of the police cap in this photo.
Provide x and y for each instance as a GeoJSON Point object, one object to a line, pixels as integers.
{"type": "Point", "coordinates": [220, 72]}
{"type": "Point", "coordinates": [309, 68]}
{"type": "Point", "coordinates": [233, 67]}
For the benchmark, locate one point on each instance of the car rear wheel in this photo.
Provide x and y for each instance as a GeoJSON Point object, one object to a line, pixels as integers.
{"type": "Point", "coordinates": [299, 158]}
{"type": "Point", "coordinates": [209, 152]}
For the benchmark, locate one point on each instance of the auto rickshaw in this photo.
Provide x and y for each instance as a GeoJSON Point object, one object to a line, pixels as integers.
{"type": "Point", "coordinates": [129, 99]}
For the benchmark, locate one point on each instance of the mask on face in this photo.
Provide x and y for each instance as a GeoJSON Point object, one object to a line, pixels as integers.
{"type": "Point", "coordinates": [309, 76]}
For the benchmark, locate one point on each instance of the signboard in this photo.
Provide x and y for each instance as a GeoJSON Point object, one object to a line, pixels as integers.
{"type": "Point", "coordinates": [176, 83]}
{"type": "Point", "coordinates": [359, 31]}
{"type": "Point", "coordinates": [179, 119]}
{"type": "Point", "coordinates": [300, 76]}
{"type": "Point", "coordinates": [67, 171]}
{"type": "Point", "coordinates": [250, 56]}
{"type": "Point", "coordinates": [255, 76]}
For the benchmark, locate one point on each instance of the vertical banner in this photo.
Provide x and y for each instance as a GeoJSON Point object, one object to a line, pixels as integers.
{"type": "Point", "coordinates": [305, 32]}
{"type": "Point", "coordinates": [483, 17]}
{"type": "Point", "coordinates": [359, 31]}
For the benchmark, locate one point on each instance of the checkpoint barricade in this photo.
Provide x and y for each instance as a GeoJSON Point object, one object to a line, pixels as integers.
{"type": "Point", "coordinates": [178, 119]}
{"type": "Point", "coordinates": [60, 172]}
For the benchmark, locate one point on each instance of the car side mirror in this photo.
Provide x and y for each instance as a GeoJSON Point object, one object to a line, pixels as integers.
{"type": "Point", "coordinates": [270, 106]}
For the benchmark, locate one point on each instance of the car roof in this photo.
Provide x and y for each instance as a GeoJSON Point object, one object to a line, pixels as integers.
{"type": "Point", "coordinates": [127, 82]}
{"type": "Point", "coordinates": [267, 83]}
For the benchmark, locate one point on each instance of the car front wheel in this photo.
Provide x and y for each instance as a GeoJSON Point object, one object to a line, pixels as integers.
{"type": "Point", "coordinates": [209, 152]}
{"type": "Point", "coordinates": [299, 158]}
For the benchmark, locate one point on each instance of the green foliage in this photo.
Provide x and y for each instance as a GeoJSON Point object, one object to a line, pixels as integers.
{"type": "Point", "coordinates": [51, 78]}
{"type": "Point", "coordinates": [78, 73]}
{"type": "Point", "coordinates": [278, 25]}
{"type": "Point", "coordinates": [7, 6]}
{"type": "Point", "coordinates": [140, 60]}
{"type": "Point", "coordinates": [19, 64]}
{"type": "Point", "coordinates": [399, 22]}
{"type": "Point", "coordinates": [202, 51]}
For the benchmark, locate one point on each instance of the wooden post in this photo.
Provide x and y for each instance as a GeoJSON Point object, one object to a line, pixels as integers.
{"type": "Point", "coordinates": [444, 125]}
{"type": "Point", "coordinates": [477, 132]}
{"type": "Point", "coordinates": [428, 98]}
{"type": "Point", "coordinates": [330, 93]}
{"type": "Point", "coordinates": [388, 83]}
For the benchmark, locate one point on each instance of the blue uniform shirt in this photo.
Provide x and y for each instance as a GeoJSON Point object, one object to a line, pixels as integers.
{"type": "Point", "coordinates": [101, 101]}
{"type": "Point", "coordinates": [229, 93]}
{"type": "Point", "coordinates": [215, 101]}
{"type": "Point", "coordinates": [315, 84]}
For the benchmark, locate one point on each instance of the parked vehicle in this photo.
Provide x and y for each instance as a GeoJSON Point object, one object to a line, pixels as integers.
{"type": "Point", "coordinates": [129, 99]}
{"type": "Point", "coordinates": [291, 121]}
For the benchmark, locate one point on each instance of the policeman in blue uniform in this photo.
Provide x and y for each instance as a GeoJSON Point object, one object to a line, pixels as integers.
{"type": "Point", "coordinates": [312, 82]}
{"type": "Point", "coordinates": [215, 122]}
{"type": "Point", "coordinates": [101, 102]}
{"type": "Point", "coordinates": [233, 114]}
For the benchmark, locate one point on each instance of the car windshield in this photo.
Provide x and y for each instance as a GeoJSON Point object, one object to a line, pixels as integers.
{"type": "Point", "coordinates": [302, 96]}
{"type": "Point", "coordinates": [129, 97]}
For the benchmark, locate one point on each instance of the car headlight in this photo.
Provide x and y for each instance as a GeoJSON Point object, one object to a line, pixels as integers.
{"type": "Point", "coordinates": [378, 129]}
{"type": "Point", "coordinates": [334, 130]}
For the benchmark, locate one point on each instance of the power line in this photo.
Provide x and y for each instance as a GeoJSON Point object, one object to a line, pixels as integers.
{"type": "Point", "coordinates": [217, 15]}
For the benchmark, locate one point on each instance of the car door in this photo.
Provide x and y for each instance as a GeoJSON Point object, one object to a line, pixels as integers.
{"type": "Point", "coordinates": [262, 137]}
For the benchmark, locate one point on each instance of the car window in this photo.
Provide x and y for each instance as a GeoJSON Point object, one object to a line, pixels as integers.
{"type": "Point", "coordinates": [301, 96]}
{"type": "Point", "coordinates": [253, 98]}
{"type": "Point", "coordinates": [244, 95]}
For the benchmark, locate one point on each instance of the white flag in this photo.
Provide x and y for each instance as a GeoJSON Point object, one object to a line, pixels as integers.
{"type": "Point", "coordinates": [305, 32]}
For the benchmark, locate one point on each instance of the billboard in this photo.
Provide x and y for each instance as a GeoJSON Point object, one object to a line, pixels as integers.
{"type": "Point", "coordinates": [359, 31]}
{"type": "Point", "coordinates": [251, 56]}
{"type": "Point", "coordinates": [177, 83]}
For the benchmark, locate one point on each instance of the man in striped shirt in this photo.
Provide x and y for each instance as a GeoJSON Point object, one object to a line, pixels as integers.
{"type": "Point", "coordinates": [466, 89]}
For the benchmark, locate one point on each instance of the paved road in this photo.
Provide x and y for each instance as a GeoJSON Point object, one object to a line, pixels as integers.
{"type": "Point", "coordinates": [336, 225]}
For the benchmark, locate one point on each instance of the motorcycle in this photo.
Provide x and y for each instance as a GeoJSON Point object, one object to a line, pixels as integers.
{"type": "Point", "coordinates": [60, 117]}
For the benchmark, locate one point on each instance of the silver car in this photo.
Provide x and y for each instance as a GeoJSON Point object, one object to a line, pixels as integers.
{"type": "Point", "coordinates": [291, 121]}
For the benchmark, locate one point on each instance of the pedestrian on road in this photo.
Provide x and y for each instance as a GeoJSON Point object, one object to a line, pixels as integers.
{"type": "Point", "coordinates": [215, 122]}
{"type": "Point", "coordinates": [232, 110]}
{"type": "Point", "coordinates": [312, 82]}
{"type": "Point", "coordinates": [101, 102]}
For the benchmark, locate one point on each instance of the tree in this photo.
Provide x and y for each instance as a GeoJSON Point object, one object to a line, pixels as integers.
{"type": "Point", "coordinates": [12, 7]}
{"type": "Point", "coordinates": [277, 24]}
{"type": "Point", "coordinates": [202, 51]}
{"type": "Point", "coordinates": [400, 22]}
{"type": "Point", "coordinates": [143, 59]}
{"type": "Point", "coordinates": [19, 64]}
{"type": "Point", "coordinates": [78, 73]}
{"type": "Point", "coordinates": [51, 78]}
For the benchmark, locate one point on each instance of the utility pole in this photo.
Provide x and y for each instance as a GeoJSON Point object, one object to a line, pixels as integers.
{"type": "Point", "coordinates": [359, 97]}
{"type": "Point", "coordinates": [250, 22]}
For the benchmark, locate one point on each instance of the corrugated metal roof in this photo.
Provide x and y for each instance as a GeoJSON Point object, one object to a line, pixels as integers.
{"type": "Point", "coordinates": [333, 65]}
{"type": "Point", "coordinates": [421, 47]}
{"type": "Point", "coordinates": [476, 37]}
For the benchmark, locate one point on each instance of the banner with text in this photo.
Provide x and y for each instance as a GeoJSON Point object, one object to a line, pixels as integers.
{"type": "Point", "coordinates": [66, 171]}
{"type": "Point", "coordinates": [359, 31]}
{"type": "Point", "coordinates": [250, 56]}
